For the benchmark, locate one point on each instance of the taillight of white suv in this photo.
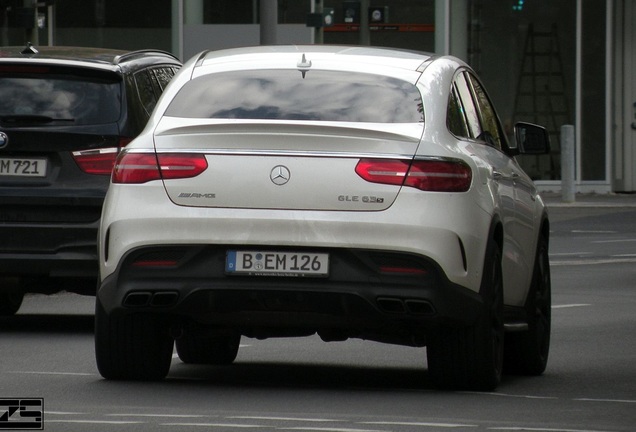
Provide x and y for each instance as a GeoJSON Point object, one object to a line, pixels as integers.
{"type": "Point", "coordinates": [145, 167]}
{"type": "Point", "coordinates": [434, 175]}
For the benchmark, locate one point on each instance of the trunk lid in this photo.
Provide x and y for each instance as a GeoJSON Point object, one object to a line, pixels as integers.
{"type": "Point", "coordinates": [288, 165]}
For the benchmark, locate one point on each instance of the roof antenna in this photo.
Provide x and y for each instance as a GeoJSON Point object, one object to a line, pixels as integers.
{"type": "Point", "coordinates": [29, 49]}
{"type": "Point", "coordinates": [304, 65]}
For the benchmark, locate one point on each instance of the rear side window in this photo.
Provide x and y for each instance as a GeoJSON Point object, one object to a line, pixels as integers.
{"type": "Point", "coordinates": [55, 94]}
{"type": "Point", "coordinates": [294, 95]}
{"type": "Point", "coordinates": [469, 109]}
{"type": "Point", "coordinates": [151, 83]}
{"type": "Point", "coordinates": [490, 122]}
{"type": "Point", "coordinates": [456, 120]}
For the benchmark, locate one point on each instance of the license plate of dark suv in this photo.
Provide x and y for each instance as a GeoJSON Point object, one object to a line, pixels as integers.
{"type": "Point", "coordinates": [23, 167]}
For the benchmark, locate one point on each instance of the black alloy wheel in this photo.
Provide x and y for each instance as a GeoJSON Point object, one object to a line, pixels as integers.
{"type": "Point", "coordinates": [131, 346]}
{"type": "Point", "coordinates": [471, 357]}
{"type": "Point", "coordinates": [526, 353]}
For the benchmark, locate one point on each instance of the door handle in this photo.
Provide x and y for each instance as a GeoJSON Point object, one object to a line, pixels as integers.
{"type": "Point", "coordinates": [498, 175]}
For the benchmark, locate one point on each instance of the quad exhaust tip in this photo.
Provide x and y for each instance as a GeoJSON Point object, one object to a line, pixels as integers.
{"type": "Point", "coordinates": [151, 299]}
{"type": "Point", "coordinates": [396, 305]}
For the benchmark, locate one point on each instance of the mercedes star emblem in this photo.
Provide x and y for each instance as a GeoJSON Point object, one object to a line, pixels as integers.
{"type": "Point", "coordinates": [279, 175]}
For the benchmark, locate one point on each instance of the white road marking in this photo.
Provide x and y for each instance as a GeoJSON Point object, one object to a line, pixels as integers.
{"type": "Point", "coordinates": [570, 305]}
{"type": "Point", "coordinates": [94, 422]}
{"type": "Point", "coordinates": [435, 425]}
{"type": "Point", "coordinates": [160, 415]}
{"type": "Point", "coordinates": [331, 429]}
{"type": "Point", "coordinates": [569, 254]}
{"type": "Point", "coordinates": [51, 373]}
{"type": "Point", "coordinates": [64, 413]}
{"type": "Point", "coordinates": [606, 400]}
{"type": "Point", "coordinates": [593, 232]}
{"type": "Point", "coordinates": [511, 395]}
{"type": "Point", "coordinates": [317, 420]}
{"type": "Point", "coordinates": [218, 425]}
{"type": "Point", "coordinates": [521, 428]}
{"type": "Point", "coordinates": [615, 241]}
{"type": "Point", "coordinates": [593, 261]}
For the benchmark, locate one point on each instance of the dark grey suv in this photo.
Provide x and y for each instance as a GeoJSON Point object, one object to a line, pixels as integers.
{"type": "Point", "coordinates": [65, 114]}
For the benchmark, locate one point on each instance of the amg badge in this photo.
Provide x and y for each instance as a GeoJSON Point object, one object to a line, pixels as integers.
{"type": "Point", "coordinates": [197, 195]}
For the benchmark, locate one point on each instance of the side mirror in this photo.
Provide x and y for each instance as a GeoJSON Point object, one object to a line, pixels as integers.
{"type": "Point", "coordinates": [531, 139]}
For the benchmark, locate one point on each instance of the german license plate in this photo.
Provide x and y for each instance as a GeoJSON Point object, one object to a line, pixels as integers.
{"type": "Point", "coordinates": [270, 263]}
{"type": "Point", "coordinates": [22, 167]}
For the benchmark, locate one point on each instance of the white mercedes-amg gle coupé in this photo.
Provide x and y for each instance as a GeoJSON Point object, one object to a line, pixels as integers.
{"type": "Point", "coordinates": [349, 192]}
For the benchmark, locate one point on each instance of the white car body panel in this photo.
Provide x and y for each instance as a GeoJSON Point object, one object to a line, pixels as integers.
{"type": "Point", "coordinates": [156, 220]}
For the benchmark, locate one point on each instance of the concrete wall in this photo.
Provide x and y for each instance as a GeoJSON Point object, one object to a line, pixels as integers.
{"type": "Point", "coordinates": [202, 37]}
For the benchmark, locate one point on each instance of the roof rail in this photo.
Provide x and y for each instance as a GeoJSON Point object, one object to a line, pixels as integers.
{"type": "Point", "coordinates": [122, 57]}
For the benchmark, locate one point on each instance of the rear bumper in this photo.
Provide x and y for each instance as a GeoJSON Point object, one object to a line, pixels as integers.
{"type": "Point", "coordinates": [65, 251]}
{"type": "Point", "coordinates": [356, 300]}
{"type": "Point", "coordinates": [449, 230]}
{"type": "Point", "coordinates": [446, 235]}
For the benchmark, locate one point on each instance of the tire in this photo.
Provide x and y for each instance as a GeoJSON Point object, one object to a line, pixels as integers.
{"type": "Point", "coordinates": [526, 353]}
{"type": "Point", "coordinates": [131, 346]}
{"type": "Point", "coordinates": [11, 296]}
{"type": "Point", "coordinates": [471, 358]}
{"type": "Point", "coordinates": [208, 350]}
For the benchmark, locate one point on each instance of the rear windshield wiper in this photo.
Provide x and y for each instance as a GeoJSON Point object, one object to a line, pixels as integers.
{"type": "Point", "coordinates": [31, 119]}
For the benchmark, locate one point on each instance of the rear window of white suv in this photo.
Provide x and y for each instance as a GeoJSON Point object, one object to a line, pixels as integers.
{"type": "Point", "coordinates": [313, 95]}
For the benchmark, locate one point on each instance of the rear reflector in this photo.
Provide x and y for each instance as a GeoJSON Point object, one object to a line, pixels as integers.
{"type": "Point", "coordinates": [164, 263]}
{"type": "Point", "coordinates": [403, 270]}
{"type": "Point", "coordinates": [427, 175]}
{"type": "Point", "coordinates": [145, 167]}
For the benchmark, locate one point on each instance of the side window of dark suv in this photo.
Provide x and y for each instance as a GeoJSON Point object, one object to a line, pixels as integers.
{"type": "Point", "coordinates": [150, 84]}
{"type": "Point", "coordinates": [163, 76]}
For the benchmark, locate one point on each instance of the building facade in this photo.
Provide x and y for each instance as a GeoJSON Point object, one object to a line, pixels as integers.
{"type": "Point", "coordinates": [552, 62]}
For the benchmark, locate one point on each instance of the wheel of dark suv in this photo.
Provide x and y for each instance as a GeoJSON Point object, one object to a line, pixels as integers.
{"type": "Point", "coordinates": [526, 353]}
{"type": "Point", "coordinates": [208, 350]}
{"type": "Point", "coordinates": [11, 296]}
{"type": "Point", "coordinates": [471, 358]}
{"type": "Point", "coordinates": [131, 346]}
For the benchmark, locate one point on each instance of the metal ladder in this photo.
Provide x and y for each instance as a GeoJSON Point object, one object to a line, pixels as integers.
{"type": "Point", "coordinates": [541, 98]}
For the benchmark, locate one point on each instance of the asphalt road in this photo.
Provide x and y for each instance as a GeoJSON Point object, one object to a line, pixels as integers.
{"type": "Point", "coordinates": [46, 353]}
